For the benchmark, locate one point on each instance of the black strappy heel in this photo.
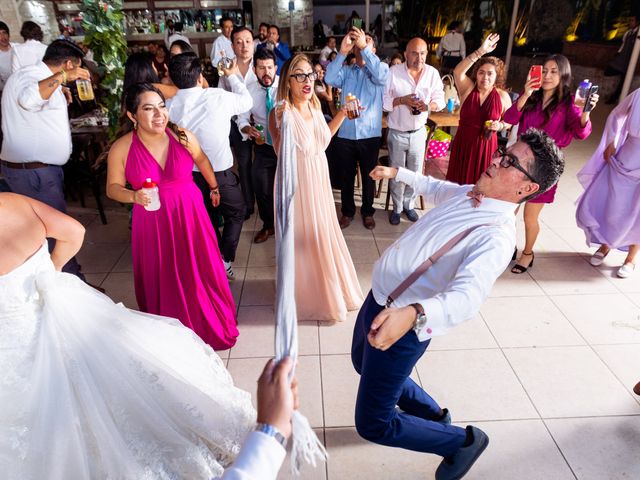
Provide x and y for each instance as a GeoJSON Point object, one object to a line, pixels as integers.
{"type": "Point", "coordinates": [518, 269]}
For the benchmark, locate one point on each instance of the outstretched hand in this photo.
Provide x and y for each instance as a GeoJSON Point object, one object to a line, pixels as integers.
{"type": "Point", "coordinates": [490, 43]}
{"type": "Point", "coordinates": [380, 172]}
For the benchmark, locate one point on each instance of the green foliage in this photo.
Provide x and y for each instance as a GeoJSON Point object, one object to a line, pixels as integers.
{"type": "Point", "coordinates": [104, 27]}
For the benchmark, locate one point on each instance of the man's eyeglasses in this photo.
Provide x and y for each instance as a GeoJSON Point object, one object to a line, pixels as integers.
{"type": "Point", "coordinates": [301, 77]}
{"type": "Point", "coordinates": [508, 159]}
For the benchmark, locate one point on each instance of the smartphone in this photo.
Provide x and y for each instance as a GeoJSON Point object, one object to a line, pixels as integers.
{"type": "Point", "coordinates": [357, 22]}
{"type": "Point", "coordinates": [587, 103]}
{"type": "Point", "coordinates": [535, 72]}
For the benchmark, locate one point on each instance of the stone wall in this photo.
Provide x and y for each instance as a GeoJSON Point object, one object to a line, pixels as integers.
{"type": "Point", "coordinates": [39, 11]}
{"type": "Point", "coordinates": [277, 12]}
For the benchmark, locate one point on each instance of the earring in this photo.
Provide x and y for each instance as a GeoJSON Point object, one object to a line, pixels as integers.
{"type": "Point", "coordinates": [135, 125]}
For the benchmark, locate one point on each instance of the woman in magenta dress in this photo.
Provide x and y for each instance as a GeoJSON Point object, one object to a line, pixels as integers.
{"type": "Point", "coordinates": [548, 107]}
{"type": "Point", "coordinates": [177, 268]}
{"type": "Point", "coordinates": [483, 102]}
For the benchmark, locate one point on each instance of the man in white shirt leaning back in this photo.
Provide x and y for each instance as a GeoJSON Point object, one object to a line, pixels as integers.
{"type": "Point", "coordinates": [426, 295]}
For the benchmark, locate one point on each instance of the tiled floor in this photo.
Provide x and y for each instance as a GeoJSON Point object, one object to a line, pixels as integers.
{"type": "Point", "coordinates": [546, 368]}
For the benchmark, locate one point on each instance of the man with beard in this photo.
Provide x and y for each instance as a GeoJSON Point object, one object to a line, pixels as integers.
{"type": "Point", "coordinates": [263, 29]}
{"type": "Point", "coordinates": [242, 43]}
{"type": "Point", "coordinates": [263, 172]}
{"type": "Point", "coordinates": [205, 112]}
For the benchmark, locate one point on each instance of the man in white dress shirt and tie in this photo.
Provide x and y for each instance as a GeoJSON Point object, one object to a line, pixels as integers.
{"type": "Point", "coordinates": [413, 90]}
{"type": "Point", "coordinates": [263, 171]}
{"type": "Point", "coordinates": [387, 342]}
{"type": "Point", "coordinates": [207, 113]}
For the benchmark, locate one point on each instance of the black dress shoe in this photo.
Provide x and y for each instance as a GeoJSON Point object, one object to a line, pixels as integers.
{"type": "Point", "coordinates": [369, 223]}
{"type": "Point", "coordinates": [345, 221]}
{"type": "Point", "coordinates": [457, 466]}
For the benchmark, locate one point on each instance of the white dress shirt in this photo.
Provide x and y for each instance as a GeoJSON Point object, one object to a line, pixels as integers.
{"type": "Point", "coordinates": [259, 109]}
{"type": "Point", "coordinates": [429, 89]}
{"type": "Point", "coordinates": [325, 52]}
{"type": "Point", "coordinates": [5, 65]}
{"type": "Point", "coordinates": [260, 458]}
{"type": "Point", "coordinates": [248, 77]}
{"type": "Point", "coordinates": [27, 53]}
{"type": "Point", "coordinates": [453, 289]}
{"type": "Point", "coordinates": [452, 44]}
{"type": "Point", "coordinates": [35, 130]}
{"type": "Point", "coordinates": [221, 44]}
{"type": "Point", "coordinates": [207, 113]}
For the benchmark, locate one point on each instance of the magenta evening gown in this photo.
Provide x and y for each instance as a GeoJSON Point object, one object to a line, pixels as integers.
{"type": "Point", "coordinates": [177, 268]}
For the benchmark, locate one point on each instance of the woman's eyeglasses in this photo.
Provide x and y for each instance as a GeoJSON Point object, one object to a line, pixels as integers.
{"type": "Point", "coordinates": [302, 77]}
{"type": "Point", "coordinates": [508, 159]}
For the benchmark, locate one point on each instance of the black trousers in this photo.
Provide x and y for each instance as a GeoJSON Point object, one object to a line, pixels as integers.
{"type": "Point", "coordinates": [231, 208]}
{"type": "Point", "coordinates": [243, 153]}
{"type": "Point", "coordinates": [350, 154]}
{"type": "Point", "coordinates": [263, 173]}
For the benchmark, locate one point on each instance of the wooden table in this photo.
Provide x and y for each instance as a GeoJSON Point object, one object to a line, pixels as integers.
{"type": "Point", "coordinates": [445, 119]}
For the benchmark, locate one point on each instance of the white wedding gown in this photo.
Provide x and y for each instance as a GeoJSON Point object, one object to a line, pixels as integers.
{"type": "Point", "coordinates": [92, 390]}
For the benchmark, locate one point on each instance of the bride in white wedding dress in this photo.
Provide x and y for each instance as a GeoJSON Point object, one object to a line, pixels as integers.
{"type": "Point", "coordinates": [92, 390]}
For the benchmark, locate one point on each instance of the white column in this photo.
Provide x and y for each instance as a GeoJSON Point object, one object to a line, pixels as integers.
{"type": "Point", "coordinates": [631, 68]}
{"type": "Point", "coordinates": [512, 30]}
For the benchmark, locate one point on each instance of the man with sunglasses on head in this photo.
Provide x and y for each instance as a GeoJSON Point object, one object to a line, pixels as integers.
{"type": "Point", "coordinates": [358, 141]}
{"type": "Point", "coordinates": [435, 276]}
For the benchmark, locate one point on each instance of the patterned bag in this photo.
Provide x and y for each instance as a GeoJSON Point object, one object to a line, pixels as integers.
{"type": "Point", "coordinates": [438, 146]}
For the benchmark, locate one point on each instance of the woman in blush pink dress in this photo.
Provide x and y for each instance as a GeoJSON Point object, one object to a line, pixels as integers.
{"type": "Point", "coordinates": [177, 267]}
{"type": "Point", "coordinates": [549, 108]}
{"type": "Point", "coordinates": [326, 281]}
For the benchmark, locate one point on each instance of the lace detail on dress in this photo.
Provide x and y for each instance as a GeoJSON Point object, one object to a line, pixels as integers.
{"type": "Point", "coordinates": [91, 389]}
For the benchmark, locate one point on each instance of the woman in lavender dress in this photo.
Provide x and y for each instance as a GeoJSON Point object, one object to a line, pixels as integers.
{"type": "Point", "coordinates": [609, 209]}
{"type": "Point", "coordinates": [550, 108]}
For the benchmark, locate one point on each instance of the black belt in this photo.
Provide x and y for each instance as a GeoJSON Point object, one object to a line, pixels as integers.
{"type": "Point", "coordinates": [25, 165]}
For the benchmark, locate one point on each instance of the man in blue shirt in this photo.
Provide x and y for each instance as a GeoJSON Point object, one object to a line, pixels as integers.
{"type": "Point", "coordinates": [358, 141]}
{"type": "Point", "coordinates": [273, 43]}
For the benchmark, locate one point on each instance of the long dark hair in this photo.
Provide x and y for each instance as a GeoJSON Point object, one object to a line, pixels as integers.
{"type": "Point", "coordinates": [562, 93]}
{"type": "Point", "coordinates": [139, 69]}
{"type": "Point", "coordinates": [131, 102]}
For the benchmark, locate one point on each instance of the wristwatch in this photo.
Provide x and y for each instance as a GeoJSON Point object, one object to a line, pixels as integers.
{"type": "Point", "coordinates": [272, 432]}
{"type": "Point", "coordinates": [421, 318]}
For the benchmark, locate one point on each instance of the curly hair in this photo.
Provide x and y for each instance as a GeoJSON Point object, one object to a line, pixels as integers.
{"type": "Point", "coordinates": [498, 65]}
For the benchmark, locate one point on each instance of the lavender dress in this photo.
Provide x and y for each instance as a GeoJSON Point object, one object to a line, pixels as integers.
{"type": "Point", "coordinates": [609, 209]}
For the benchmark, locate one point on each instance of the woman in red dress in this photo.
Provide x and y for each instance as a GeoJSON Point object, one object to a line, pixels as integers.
{"type": "Point", "coordinates": [483, 103]}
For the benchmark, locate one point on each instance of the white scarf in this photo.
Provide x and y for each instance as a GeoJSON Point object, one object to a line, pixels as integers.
{"type": "Point", "coordinates": [306, 445]}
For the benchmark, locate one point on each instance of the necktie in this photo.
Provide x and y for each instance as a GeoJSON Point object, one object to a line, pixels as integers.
{"type": "Point", "coordinates": [269, 104]}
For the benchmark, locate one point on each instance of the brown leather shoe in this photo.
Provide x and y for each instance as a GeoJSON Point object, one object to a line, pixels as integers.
{"type": "Point", "coordinates": [636, 389]}
{"type": "Point", "coordinates": [369, 223]}
{"type": "Point", "coordinates": [263, 235]}
{"type": "Point", "coordinates": [345, 221]}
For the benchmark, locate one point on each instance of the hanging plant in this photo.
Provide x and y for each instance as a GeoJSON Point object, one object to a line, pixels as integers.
{"type": "Point", "coordinates": [103, 22]}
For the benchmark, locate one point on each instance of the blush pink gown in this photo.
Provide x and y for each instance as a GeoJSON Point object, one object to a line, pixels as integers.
{"type": "Point", "coordinates": [327, 285]}
{"type": "Point", "coordinates": [177, 268]}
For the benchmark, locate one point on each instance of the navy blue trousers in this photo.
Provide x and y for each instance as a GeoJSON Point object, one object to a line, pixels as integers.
{"type": "Point", "coordinates": [385, 384]}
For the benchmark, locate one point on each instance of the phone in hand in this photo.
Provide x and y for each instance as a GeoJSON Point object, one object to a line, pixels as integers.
{"type": "Point", "coordinates": [535, 73]}
{"type": "Point", "coordinates": [357, 22]}
{"type": "Point", "coordinates": [587, 104]}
